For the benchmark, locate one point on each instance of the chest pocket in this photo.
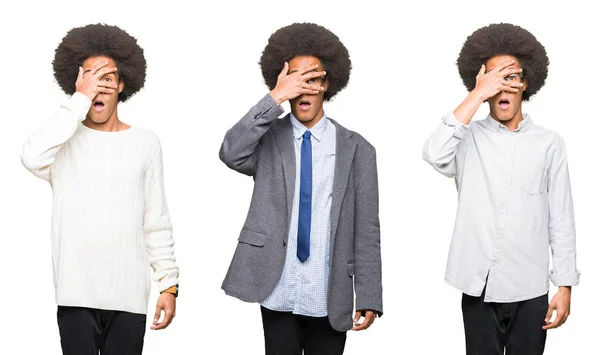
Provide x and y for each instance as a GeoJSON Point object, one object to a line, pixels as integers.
{"type": "Point", "coordinates": [533, 177]}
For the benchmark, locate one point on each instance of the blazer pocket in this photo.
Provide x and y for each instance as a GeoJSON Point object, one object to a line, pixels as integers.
{"type": "Point", "coordinates": [252, 237]}
{"type": "Point", "coordinates": [351, 268]}
{"type": "Point", "coordinates": [533, 179]}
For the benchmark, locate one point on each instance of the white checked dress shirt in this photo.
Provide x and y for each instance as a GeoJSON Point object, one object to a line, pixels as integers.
{"type": "Point", "coordinates": [514, 203]}
{"type": "Point", "coordinates": [302, 288]}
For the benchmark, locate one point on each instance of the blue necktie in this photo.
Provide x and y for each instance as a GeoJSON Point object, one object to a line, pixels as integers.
{"type": "Point", "coordinates": [304, 215]}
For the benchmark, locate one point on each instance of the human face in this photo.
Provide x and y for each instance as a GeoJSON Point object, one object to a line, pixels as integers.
{"type": "Point", "coordinates": [506, 106]}
{"type": "Point", "coordinates": [308, 108]}
{"type": "Point", "coordinates": [104, 106]}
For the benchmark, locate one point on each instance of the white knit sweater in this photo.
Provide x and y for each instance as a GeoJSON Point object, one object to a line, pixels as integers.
{"type": "Point", "coordinates": [110, 220]}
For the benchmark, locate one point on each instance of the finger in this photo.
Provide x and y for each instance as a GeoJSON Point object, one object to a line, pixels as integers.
{"type": "Point", "coordinates": [103, 90]}
{"type": "Point", "coordinates": [361, 326]}
{"type": "Point", "coordinates": [80, 74]}
{"type": "Point", "coordinates": [481, 70]}
{"type": "Point", "coordinates": [285, 69]}
{"type": "Point", "coordinates": [508, 87]}
{"type": "Point", "coordinates": [102, 72]}
{"type": "Point", "coordinates": [369, 318]}
{"type": "Point", "coordinates": [308, 92]}
{"type": "Point", "coordinates": [98, 66]}
{"type": "Point", "coordinates": [165, 322]}
{"type": "Point", "coordinates": [308, 68]}
{"type": "Point", "coordinates": [313, 74]}
{"type": "Point", "coordinates": [107, 84]}
{"type": "Point", "coordinates": [557, 321]}
{"type": "Point", "coordinates": [313, 86]}
{"type": "Point", "coordinates": [509, 71]}
{"type": "Point", "coordinates": [504, 65]}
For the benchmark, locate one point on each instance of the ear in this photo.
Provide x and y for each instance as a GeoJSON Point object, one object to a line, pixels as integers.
{"type": "Point", "coordinates": [524, 81]}
{"type": "Point", "coordinates": [121, 86]}
{"type": "Point", "coordinates": [326, 84]}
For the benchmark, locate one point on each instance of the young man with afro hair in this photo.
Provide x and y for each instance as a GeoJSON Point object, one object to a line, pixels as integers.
{"type": "Point", "coordinates": [310, 242]}
{"type": "Point", "coordinates": [514, 198]}
{"type": "Point", "coordinates": [110, 220]}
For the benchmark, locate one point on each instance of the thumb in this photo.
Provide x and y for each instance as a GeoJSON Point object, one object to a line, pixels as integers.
{"type": "Point", "coordinates": [157, 312]}
{"type": "Point", "coordinates": [357, 316]}
{"type": "Point", "coordinates": [549, 313]}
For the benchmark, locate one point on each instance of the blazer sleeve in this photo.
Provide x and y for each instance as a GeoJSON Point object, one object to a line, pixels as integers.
{"type": "Point", "coordinates": [238, 150]}
{"type": "Point", "coordinates": [367, 250]}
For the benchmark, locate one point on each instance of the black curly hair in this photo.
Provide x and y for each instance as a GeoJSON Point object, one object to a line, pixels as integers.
{"type": "Point", "coordinates": [504, 39]}
{"type": "Point", "coordinates": [82, 43]}
{"type": "Point", "coordinates": [307, 39]}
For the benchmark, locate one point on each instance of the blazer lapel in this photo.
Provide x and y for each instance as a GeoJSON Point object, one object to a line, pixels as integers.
{"type": "Point", "coordinates": [344, 150]}
{"type": "Point", "coordinates": [285, 143]}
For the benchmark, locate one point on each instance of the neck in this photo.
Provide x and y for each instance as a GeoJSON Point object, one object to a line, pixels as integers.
{"type": "Point", "coordinates": [512, 123]}
{"type": "Point", "coordinates": [311, 123]}
{"type": "Point", "coordinates": [111, 125]}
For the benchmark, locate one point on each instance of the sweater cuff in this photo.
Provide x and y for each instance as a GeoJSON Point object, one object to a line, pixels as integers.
{"type": "Point", "coordinates": [568, 279]}
{"type": "Point", "coordinates": [79, 105]}
{"type": "Point", "coordinates": [460, 129]}
{"type": "Point", "coordinates": [168, 281]}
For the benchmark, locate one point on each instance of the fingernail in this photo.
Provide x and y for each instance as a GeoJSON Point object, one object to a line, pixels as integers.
{"type": "Point", "coordinates": [324, 72]}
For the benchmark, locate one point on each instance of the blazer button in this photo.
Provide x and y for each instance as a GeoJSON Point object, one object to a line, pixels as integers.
{"type": "Point", "coordinates": [284, 243]}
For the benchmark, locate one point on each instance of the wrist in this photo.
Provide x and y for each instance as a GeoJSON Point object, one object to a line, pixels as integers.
{"type": "Point", "coordinates": [173, 290]}
{"type": "Point", "coordinates": [276, 96]}
{"type": "Point", "coordinates": [477, 96]}
{"type": "Point", "coordinates": [90, 96]}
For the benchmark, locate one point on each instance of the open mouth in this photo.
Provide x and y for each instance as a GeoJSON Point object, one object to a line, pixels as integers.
{"type": "Point", "coordinates": [98, 105]}
{"type": "Point", "coordinates": [304, 105]}
{"type": "Point", "coordinates": [504, 104]}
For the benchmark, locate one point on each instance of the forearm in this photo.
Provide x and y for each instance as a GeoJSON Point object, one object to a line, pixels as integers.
{"type": "Point", "coordinates": [39, 151]}
{"type": "Point", "coordinates": [240, 142]}
{"type": "Point", "coordinates": [467, 109]}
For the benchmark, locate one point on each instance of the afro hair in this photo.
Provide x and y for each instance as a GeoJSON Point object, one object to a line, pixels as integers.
{"type": "Point", "coordinates": [307, 39]}
{"type": "Point", "coordinates": [82, 43]}
{"type": "Point", "coordinates": [504, 39]}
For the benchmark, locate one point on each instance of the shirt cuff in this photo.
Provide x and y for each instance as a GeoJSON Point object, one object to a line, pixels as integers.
{"type": "Point", "coordinates": [460, 129]}
{"type": "Point", "coordinates": [571, 279]}
{"type": "Point", "coordinates": [79, 105]}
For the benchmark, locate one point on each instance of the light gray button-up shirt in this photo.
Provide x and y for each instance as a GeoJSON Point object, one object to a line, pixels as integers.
{"type": "Point", "coordinates": [303, 286]}
{"type": "Point", "coordinates": [514, 200]}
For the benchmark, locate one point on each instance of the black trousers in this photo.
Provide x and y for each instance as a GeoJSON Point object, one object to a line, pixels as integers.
{"type": "Point", "coordinates": [289, 334]}
{"type": "Point", "coordinates": [490, 328]}
{"type": "Point", "coordinates": [87, 331]}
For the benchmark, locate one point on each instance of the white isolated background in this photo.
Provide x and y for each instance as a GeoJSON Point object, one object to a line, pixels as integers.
{"type": "Point", "coordinates": [203, 76]}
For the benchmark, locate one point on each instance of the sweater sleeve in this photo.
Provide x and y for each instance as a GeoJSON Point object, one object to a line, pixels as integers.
{"type": "Point", "coordinates": [40, 149]}
{"type": "Point", "coordinates": [157, 225]}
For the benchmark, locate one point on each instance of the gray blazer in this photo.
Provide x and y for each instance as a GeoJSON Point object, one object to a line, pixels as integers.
{"type": "Point", "coordinates": [262, 146]}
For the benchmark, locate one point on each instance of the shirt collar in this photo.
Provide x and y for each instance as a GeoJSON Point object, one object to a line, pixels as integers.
{"type": "Point", "coordinates": [497, 126]}
{"type": "Point", "coordinates": [316, 131]}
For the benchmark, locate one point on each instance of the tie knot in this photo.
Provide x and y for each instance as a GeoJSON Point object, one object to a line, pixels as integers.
{"type": "Point", "coordinates": [306, 134]}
